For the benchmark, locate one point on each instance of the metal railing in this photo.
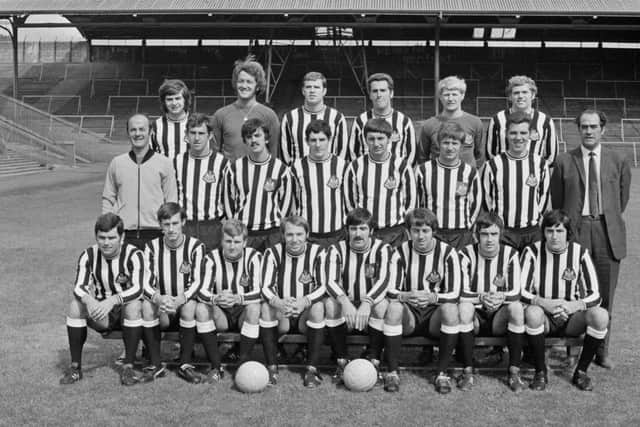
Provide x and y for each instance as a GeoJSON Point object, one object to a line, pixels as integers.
{"type": "Point", "coordinates": [45, 127]}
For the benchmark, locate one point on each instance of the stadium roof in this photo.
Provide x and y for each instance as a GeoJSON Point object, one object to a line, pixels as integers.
{"type": "Point", "coordinates": [586, 20]}
{"type": "Point", "coordinates": [416, 7]}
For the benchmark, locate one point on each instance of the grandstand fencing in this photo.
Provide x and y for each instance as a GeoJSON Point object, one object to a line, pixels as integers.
{"type": "Point", "coordinates": [49, 132]}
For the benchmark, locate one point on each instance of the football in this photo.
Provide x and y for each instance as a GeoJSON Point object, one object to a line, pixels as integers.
{"type": "Point", "coordinates": [251, 377]}
{"type": "Point", "coordinates": [360, 375]}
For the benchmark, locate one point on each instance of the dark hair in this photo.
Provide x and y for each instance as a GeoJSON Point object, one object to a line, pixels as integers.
{"type": "Point", "coordinates": [380, 77]}
{"type": "Point", "coordinates": [556, 217]}
{"type": "Point", "coordinates": [250, 66]}
{"type": "Point", "coordinates": [360, 216]}
{"type": "Point", "coordinates": [296, 220]}
{"type": "Point", "coordinates": [377, 125]}
{"type": "Point", "coordinates": [174, 87]}
{"type": "Point", "coordinates": [169, 209]}
{"type": "Point", "coordinates": [318, 126]}
{"type": "Point", "coordinates": [313, 76]}
{"type": "Point", "coordinates": [199, 119]}
{"type": "Point", "coordinates": [486, 220]}
{"type": "Point", "coordinates": [252, 125]}
{"type": "Point", "coordinates": [234, 227]}
{"type": "Point", "coordinates": [451, 130]}
{"type": "Point", "coordinates": [601, 115]}
{"type": "Point", "coordinates": [419, 217]}
{"type": "Point", "coordinates": [107, 222]}
{"type": "Point", "coordinates": [518, 117]}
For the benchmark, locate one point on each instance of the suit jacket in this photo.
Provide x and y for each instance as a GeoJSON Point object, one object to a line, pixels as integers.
{"type": "Point", "coordinates": [567, 192]}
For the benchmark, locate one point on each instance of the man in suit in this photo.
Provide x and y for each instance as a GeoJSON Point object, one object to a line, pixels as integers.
{"type": "Point", "coordinates": [591, 183]}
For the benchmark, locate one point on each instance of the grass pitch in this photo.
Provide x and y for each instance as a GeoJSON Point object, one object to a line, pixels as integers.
{"type": "Point", "coordinates": [45, 227]}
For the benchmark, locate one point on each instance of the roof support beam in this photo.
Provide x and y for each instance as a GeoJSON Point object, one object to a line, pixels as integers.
{"type": "Point", "coordinates": [357, 60]}
{"type": "Point", "coordinates": [277, 57]}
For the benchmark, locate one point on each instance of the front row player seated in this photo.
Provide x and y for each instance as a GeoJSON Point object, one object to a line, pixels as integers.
{"type": "Point", "coordinates": [359, 271]}
{"type": "Point", "coordinates": [176, 263]}
{"type": "Point", "coordinates": [229, 298]}
{"type": "Point", "coordinates": [106, 295]}
{"type": "Point", "coordinates": [490, 297]}
{"type": "Point", "coordinates": [293, 291]}
{"type": "Point", "coordinates": [424, 297]}
{"type": "Point", "coordinates": [561, 286]}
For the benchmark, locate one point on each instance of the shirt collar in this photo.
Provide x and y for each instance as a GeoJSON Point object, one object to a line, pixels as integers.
{"type": "Point", "coordinates": [585, 152]}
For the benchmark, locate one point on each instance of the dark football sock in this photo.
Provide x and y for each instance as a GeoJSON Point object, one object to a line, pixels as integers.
{"type": "Point", "coordinates": [315, 337]}
{"type": "Point", "coordinates": [338, 337]}
{"type": "Point", "coordinates": [376, 343]}
{"type": "Point", "coordinates": [151, 339]}
{"type": "Point", "coordinates": [466, 347]}
{"type": "Point", "coordinates": [536, 342]}
{"type": "Point", "coordinates": [246, 347]}
{"type": "Point", "coordinates": [393, 345]}
{"type": "Point", "coordinates": [210, 344]}
{"type": "Point", "coordinates": [447, 344]}
{"type": "Point", "coordinates": [187, 341]}
{"type": "Point", "coordinates": [131, 336]}
{"type": "Point", "coordinates": [514, 342]}
{"type": "Point", "coordinates": [77, 338]}
{"type": "Point", "coordinates": [269, 337]}
{"type": "Point", "coordinates": [589, 348]}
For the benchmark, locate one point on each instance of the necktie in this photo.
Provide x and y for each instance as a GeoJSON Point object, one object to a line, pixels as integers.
{"type": "Point", "coordinates": [593, 186]}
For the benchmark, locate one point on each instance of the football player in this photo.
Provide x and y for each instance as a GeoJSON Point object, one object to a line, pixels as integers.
{"type": "Point", "coordinates": [106, 296]}
{"type": "Point", "coordinates": [450, 188]}
{"type": "Point", "coordinates": [560, 286]}
{"type": "Point", "coordinates": [317, 186]}
{"type": "Point", "coordinates": [176, 261]}
{"type": "Point", "coordinates": [359, 271]}
{"type": "Point", "coordinates": [169, 130]}
{"type": "Point", "coordinates": [257, 188]}
{"type": "Point", "coordinates": [295, 122]}
{"type": "Point", "coordinates": [381, 182]}
{"type": "Point", "coordinates": [229, 299]}
{"type": "Point", "coordinates": [424, 296]}
{"type": "Point", "coordinates": [293, 291]}
{"type": "Point", "coordinates": [490, 298]}
{"type": "Point", "coordinates": [521, 91]}
{"type": "Point", "coordinates": [451, 91]}
{"type": "Point", "coordinates": [199, 178]}
{"type": "Point", "coordinates": [516, 185]}
{"type": "Point", "coordinates": [402, 137]}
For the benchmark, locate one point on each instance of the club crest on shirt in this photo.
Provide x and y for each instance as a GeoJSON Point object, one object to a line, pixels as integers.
{"type": "Point", "coordinates": [499, 282]}
{"type": "Point", "coordinates": [434, 277]}
{"type": "Point", "coordinates": [244, 280]}
{"type": "Point", "coordinates": [370, 271]}
{"type": "Point", "coordinates": [534, 135]}
{"type": "Point", "coordinates": [269, 185]}
{"type": "Point", "coordinates": [333, 182]}
{"type": "Point", "coordinates": [209, 177]}
{"type": "Point", "coordinates": [305, 278]}
{"type": "Point", "coordinates": [185, 267]}
{"type": "Point", "coordinates": [569, 274]}
{"type": "Point", "coordinates": [532, 181]}
{"type": "Point", "coordinates": [122, 279]}
{"type": "Point", "coordinates": [390, 183]}
{"type": "Point", "coordinates": [462, 188]}
{"type": "Point", "coordinates": [468, 139]}
{"type": "Point", "coordinates": [395, 136]}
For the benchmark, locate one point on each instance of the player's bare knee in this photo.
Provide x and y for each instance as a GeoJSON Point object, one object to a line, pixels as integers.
{"type": "Point", "coordinates": [394, 313]}
{"type": "Point", "coordinates": [252, 313]}
{"type": "Point", "coordinates": [450, 314]}
{"type": "Point", "coordinates": [132, 310]}
{"type": "Point", "coordinates": [77, 310]}
{"type": "Point", "coordinates": [597, 318]}
{"type": "Point", "coordinates": [267, 312]}
{"type": "Point", "coordinates": [331, 308]}
{"type": "Point", "coordinates": [516, 313]}
{"type": "Point", "coordinates": [379, 310]}
{"type": "Point", "coordinates": [188, 310]}
{"type": "Point", "coordinates": [316, 312]}
{"type": "Point", "coordinates": [203, 312]}
{"type": "Point", "coordinates": [534, 316]}
{"type": "Point", "coordinates": [466, 312]}
{"type": "Point", "coordinates": [149, 310]}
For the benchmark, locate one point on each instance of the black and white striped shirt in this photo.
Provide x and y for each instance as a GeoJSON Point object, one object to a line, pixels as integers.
{"type": "Point", "coordinates": [292, 135]}
{"type": "Point", "coordinates": [403, 139]}
{"type": "Point", "coordinates": [240, 277]}
{"type": "Point", "coordinates": [169, 137]}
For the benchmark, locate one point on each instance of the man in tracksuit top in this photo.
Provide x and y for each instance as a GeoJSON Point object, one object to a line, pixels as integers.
{"type": "Point", "coordinates": [137, 184]}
